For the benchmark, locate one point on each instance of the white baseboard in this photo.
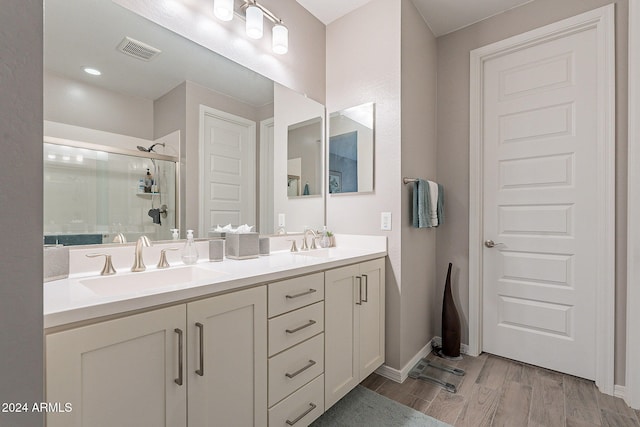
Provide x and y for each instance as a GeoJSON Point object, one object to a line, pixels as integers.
{"type": "Point", "coordinates": [400, 375]}
{"type": "Point", "coordinates": [620, 391]}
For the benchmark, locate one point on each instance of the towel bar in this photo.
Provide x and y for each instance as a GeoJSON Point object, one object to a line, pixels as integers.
{"type": "Point", "coordinates": [408, 180]}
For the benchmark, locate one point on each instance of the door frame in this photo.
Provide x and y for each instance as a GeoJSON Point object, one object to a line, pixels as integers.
{"type": "Point", "coordinates": [249, 124]}
{"type": "Point", "coordinates": [602, 19]}
{"type": "Point", "coordinates": [266, 220]}
{"type": "Point", "coordinates": [632, 373]}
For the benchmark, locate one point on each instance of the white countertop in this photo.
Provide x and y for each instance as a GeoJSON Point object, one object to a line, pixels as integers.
{"type": "Point", "coordinates": [69, 301]}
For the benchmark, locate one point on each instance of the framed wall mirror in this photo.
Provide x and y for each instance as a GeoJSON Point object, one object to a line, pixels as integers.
{"type": "Point", "coordinates": [142, 101]}
{"type": "Point", "coordinates": [304, 158]}
{"type": "Point", "coordinates": [351, 150]}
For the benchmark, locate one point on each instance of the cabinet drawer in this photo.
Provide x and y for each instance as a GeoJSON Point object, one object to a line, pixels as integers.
{"type": "Point", "coordinates": [301, 408]}
{"type": "Point", "coordinates": [292, 328]}
{"type": "Point", "coordinates": [295, 367]}
{"type": "Point", "coordinates": [295, 293]}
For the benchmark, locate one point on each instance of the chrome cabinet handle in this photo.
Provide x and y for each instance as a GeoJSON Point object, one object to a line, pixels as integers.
{"type": "Point", "coordinates": [301, 370]}
{"type": "Point", "coordinates": [200, 371]}
{"type": "Point", "coordinates": [299, 328]}
{"type": "Point", "coordinates": [366, 288]}
{"type": "Point", "coordinates": [310, 291]}
{"type": "Point", "coordinates": [180, 352]}
{"type": "Point", "coordinates": [359, 302]}
{"type": "Point", "coordinates": [304, 414]}
{"type": "Point", "coordinates": [491, 243]}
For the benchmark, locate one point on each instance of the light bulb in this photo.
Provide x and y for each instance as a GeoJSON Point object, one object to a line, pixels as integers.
{"type": "Point", "coordinates": [280, 39]}
{"type": "Point", "coordinates": [254, 22]}
{"type": "Point", "coordinates": [223, 9]}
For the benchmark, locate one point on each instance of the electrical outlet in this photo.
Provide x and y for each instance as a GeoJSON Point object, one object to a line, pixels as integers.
{"type": "Point", "coordinates": [281, 222]}
{"type": "Point", "coordinates": [385, 221]}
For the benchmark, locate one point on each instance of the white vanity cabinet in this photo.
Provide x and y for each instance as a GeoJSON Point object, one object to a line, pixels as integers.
{"type": "Point", "coordinates": [354, 326]}
{"type": "Point", "coordinates": [119, 372]}
{"type": "Point", "coordinates": [139, 370]}
{"type": "Point", "coordinates": [227, 367]}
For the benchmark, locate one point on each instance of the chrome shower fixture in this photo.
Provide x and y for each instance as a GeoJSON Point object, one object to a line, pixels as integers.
{"type": "Point", "coordinates": [150, 149]}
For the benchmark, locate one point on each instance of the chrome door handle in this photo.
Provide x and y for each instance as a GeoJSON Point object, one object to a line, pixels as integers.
{"type": "Point", "coordinates": [491, 243]}
{"type": "Point", "coordinates": [180, 351]}
{"type": "Point", "coordinates": [200, 371]}
{"type": "Point", "coordinates": [366, 288]}
{"type": "Point", "coordinates": [359, 302]}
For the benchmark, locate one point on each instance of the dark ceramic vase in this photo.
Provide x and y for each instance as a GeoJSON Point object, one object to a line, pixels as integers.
{"type": "Point", "coordinates": [450, 322]}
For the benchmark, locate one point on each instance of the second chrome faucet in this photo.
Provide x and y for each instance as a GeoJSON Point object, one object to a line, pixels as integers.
{"type": "Point", "coordinates": [138, 263]}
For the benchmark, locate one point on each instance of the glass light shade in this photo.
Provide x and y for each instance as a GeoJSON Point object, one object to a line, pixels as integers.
{"type": "Point", "coordinates": [223, 9]}
{"type": "Point", "coordinates": [280, 39]}
{"type": "Point", "coordinates": [254, 22]}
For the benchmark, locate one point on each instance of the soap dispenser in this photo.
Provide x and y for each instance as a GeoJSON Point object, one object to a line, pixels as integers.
{"type": "Point", "coordinates": [190, 253]}
{"type": "Point", "coordinates": [325, 242]}
{"type": "Point", "coordinates": [175, 233]}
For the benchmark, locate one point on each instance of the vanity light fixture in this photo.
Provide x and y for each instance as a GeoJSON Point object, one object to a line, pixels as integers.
{"type": "Point", "coordinates": [254, 22]}
{"type": "Point", "coordinates": [92, 71]}
{"type": "Point", "coordinates": [223, 9]}
{"type": "Point", "coordinates": [254, 16]}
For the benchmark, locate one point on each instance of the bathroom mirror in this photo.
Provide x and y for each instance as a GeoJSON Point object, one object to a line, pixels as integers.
{"type": "Point", "coordinates": [304, 158]}
{"type": "Point", "coordinates": [143, 98]}
{"type": "Point", "coordinates": [351, 148]}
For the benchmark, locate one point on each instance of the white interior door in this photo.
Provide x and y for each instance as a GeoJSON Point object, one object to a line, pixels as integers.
{"type": "Point", "coordinates": [228, 168]}
{"type": "Point", "coordinates": [541, 133]}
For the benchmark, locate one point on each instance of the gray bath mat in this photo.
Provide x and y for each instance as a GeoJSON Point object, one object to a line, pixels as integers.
{"type": "Point", "coordinates": [363, 407]}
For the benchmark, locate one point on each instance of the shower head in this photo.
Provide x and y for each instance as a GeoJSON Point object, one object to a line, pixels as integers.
{"type": "Point", "coordinates": [150, 149]}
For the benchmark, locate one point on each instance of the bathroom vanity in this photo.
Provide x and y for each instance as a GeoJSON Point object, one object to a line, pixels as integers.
{"type": "Point", "coordinates": [272, 341]}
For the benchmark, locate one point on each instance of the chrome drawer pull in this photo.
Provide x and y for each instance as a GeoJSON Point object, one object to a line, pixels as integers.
{"type": "Point", "coordinates": [299, 328]}
{"type": "Point", "coordinates": [301, 370]}
{"type": "Point", "coordinates": [180, 351]}
{"type": "Point", "coordinates": [200, 371]}
{"type": "Point", "coordinates": [310, 291]}
{"type": "Point", "coordinates": [304, 414]}
{"type": "Point", "coordinates": [359, 302]}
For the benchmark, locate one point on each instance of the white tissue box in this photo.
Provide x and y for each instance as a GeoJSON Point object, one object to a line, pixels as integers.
{"type": "Point", "coordinates": [242, 245]}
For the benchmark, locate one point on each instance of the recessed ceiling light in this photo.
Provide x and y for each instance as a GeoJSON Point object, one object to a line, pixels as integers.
{"type": "Point", "coordinates": [92, 71]}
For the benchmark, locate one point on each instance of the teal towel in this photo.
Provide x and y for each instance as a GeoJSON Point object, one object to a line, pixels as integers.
{"type": "Point", "coordinates": [306, 190]}
{"type": "Point", "coordinates": [421, 202]}
{"type": "Point", "coordinates": [440, 204]}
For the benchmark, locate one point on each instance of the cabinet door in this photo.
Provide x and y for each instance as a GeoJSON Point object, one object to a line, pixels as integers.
{"type": "Point", "coordinates": [119, 372]}
{"type": "Point", "coordinates": [228, 385]}
{"type": "Point", "coordinates": [341, 324]}
{"type": "Point", "coordinates": [371, 317]}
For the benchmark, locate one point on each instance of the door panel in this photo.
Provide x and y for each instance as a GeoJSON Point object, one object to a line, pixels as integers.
{"type": "Point", "coordinates": [540, 177]}
{"type": "Point", "coordinates": [228, 173]}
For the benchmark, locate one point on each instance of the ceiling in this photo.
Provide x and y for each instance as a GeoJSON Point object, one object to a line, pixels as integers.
{"type": "Point", "coordinates": [442, 16]}
{"type": "Point", "coordinates": [80, 33]}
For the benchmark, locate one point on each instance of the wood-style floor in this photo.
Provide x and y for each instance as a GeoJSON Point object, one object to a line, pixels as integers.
{"type": "Point", "coordinates": [500, 392]}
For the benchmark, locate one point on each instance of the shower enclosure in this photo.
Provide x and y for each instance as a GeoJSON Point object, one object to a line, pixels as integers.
{"type": "Point", "coordinates": [92, 193]}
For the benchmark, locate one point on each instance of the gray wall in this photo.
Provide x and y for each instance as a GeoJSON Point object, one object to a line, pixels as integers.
{"type": "Point", "coordinates": [399, 75]}
{"type": "Point", "coordinates": [81, 104]}
{"type": "Point", "coordinates": [357, 74]}
{"type": "Point", "coordinates": [21, 354]}
{"type": "Point", "coordinates": [453, 141]}
{"type": "Point", "coordinates": [418, 120]}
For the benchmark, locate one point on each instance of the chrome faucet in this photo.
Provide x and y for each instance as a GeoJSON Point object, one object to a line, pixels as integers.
{"type": "Point", "coordinates": [305, 247]}
{"type": "Point", "coordinates": [119, 238]}
{"type": "Point", "coordinates": [138, 263]}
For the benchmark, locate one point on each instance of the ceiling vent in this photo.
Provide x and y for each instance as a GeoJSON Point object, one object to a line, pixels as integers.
{"type": "Point", "coordinates": [137, 49]}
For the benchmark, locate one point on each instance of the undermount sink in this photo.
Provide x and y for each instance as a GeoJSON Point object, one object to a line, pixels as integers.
{"type": "Point", "coordinates": [318, 253]}
{"type": "Point", "coordinates": [136, 282]}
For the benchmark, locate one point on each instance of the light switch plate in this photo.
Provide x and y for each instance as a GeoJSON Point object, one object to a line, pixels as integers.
{"type": "Point", "coordinates": [385, 221]}
{"type": "Point", "coordinates": [281, 220]}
